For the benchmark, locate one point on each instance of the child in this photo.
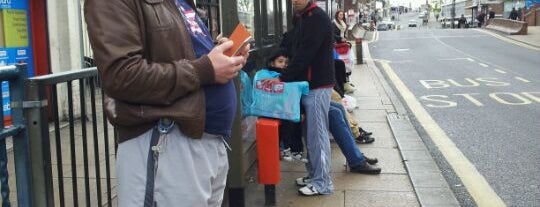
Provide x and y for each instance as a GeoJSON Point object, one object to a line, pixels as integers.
{"type": "Point", "coordinates": [290, 133]}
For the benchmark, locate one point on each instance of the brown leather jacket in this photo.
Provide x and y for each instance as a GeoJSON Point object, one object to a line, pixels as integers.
{"type": "Point", "coordinates": [147, 65]}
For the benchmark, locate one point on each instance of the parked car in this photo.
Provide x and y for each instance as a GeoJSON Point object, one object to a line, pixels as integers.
{"type": "Point", "coordinates": [412, 23]}
{"type": "Point", "coordinates": [382, 27]}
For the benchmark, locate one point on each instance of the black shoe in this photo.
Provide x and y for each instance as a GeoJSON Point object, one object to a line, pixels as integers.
{"type": "Point", "coordinates": [362, 131]}
{"type": "Point", "coordinates": [370, 160]}
{"type": "Point", "coordinates": [364, 139]}
{"type": "Point", "coordinates": [366, 169]}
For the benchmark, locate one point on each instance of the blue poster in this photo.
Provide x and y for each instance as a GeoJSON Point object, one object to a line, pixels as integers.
{"type": "Point", "coordinates": [529, 3]}
{"type": "Point", "coordinates": [15, 43]}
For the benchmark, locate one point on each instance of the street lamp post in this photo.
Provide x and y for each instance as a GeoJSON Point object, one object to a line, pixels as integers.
{"type": "Point", "coordinates": [453, 12]}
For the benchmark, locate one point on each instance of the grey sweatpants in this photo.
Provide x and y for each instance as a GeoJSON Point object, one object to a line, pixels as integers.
{"type": "Point", "coordinates": [191, 172]}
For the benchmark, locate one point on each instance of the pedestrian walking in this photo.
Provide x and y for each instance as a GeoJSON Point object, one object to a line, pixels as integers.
{"type": "Point", "coordinates": [462, 22]}
{"type": "Point", "coordinates": [168, 92]}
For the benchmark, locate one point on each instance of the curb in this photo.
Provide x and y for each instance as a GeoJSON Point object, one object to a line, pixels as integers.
{"type": "Point", "coordinates": [430, 186]}
{"type": "Point", "coordinates": [507, 38]}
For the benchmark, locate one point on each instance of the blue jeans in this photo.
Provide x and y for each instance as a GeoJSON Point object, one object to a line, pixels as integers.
{"type": "Point", "coordinates": [339, 127]}
{"type": "Point", "coordinates": [316, 105]}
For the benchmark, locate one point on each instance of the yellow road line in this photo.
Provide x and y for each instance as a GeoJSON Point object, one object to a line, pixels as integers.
{"type": "Point", "coordinates": [506, 39]}
{"type": "Point", "coordinates": [476, 184]}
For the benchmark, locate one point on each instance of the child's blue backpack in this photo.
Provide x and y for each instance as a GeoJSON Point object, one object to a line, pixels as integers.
{"type": "Point", "coordinates": [277, 100]}
{"type": "Point", "coordinates": [245, 93]}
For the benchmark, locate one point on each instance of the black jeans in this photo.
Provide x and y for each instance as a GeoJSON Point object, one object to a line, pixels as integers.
{"type": "Point", "coordinates": [290, 134]}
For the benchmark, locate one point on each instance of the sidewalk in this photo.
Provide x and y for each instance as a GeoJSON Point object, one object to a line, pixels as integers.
{"type": "Point", "coordinates": [532, 38]}
{"type": "Point", "coordinates": [395, 139]}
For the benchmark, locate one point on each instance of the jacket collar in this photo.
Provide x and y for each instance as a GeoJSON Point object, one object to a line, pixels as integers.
{"type": "Point", "coordinates": [311, 5]}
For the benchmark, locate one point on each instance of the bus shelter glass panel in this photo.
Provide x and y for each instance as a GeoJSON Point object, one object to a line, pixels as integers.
{"type": "Point", "coordinates": [246, 15]}
{"type": "Point", "coordinates": [284, 15]}
{"type": "Point", "coordinates": [270, 15]}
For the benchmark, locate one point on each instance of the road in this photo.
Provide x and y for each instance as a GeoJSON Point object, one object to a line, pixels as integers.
{"type": "Point", "coordinates": [484, 93]}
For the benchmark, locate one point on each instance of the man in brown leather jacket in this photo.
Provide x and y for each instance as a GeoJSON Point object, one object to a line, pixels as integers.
{"type": "Point", "coordinates": [169, 94]}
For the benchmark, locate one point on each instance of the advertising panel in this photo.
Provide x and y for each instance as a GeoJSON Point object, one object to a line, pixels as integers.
{"type": "Point", "coordinates": [15, 43]}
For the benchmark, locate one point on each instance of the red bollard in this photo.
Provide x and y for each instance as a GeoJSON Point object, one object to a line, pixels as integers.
{"type": "Point", "coordinates": [268, 150]}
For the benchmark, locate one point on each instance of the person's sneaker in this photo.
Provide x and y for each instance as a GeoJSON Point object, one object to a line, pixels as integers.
{"type": "Point", "coordinates": [303, 181]}
{"type": "Point", "coordinates": [286, 155]}
{"type": "Point", "coordinates": [298, 156]}
{"type": "Point", "coordinates": [364, 139]}
{"type": "Point", "coordinates": [370, 160]}
{"type": "Point", "coordinates": [308, 190]}
{"type": "Point", "coordinates": [366, 169]}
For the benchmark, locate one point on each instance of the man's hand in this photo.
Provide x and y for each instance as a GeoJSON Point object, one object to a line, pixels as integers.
{"type": "Point", "coordinates": [245, 52]}
{"type": "Point", "coordinates": [225, 67]}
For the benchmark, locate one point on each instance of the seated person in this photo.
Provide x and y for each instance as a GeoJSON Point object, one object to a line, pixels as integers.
{"type": "Point", "coordinates": [341, 132]}
{"type": "Point", "coordinates": [361, 136]}
{"type": "Point", "coordinates": [290, 133]}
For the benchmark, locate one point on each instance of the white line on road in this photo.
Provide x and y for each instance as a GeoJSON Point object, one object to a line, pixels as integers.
{"type": "Point", "coordinates": [500, 71]}
{"type": "Point", "coordinates": [451, 59]}
{"type": "Point", "coordinates": [475, 183]}
{"type": "Point", "coordinates": [402, 61]}
{"type": "Point", "coordinates": [401, 49]}
{"type": "Point", "coordinates": [523, 79]}
{"type": "Point", "coordinates": [483, 65]}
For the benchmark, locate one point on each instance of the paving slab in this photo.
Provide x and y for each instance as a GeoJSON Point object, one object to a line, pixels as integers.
{"type": "Point", "coordinates": [380, 199]}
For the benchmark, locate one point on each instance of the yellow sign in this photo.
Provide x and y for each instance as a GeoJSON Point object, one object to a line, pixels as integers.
{"type": "Point", "coordinates": [15, 26]}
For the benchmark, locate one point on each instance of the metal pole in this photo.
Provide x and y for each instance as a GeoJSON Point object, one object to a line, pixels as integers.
{"type": "Point", "coordinates": [35, 112]}
{"type": "Point", "coordinates": [21, 151]}
{"type": "Point", "coordinates": [269, 195]}
{"type": "Point", "coordinates": [235, 177]}
{"type": "Point", "coordinates": [453, 13]}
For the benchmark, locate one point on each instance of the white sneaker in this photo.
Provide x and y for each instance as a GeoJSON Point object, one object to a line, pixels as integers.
{"type": "Point", "coordinates": [286, 155]}
{"type": "Point", "coordinates": [298, 156]}
{"type": "Point", "coordinates": [308, 190]}
{"type": "Point", "coordinates": [303, 181]}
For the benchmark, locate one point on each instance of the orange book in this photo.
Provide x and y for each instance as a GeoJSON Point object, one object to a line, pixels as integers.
{"type": "Point", "coordinates": [240, 37]}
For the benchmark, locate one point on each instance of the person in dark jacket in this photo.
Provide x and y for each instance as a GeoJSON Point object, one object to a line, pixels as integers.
{"type": "Point", "coordinates": [491, 13]}
{"type": "Point", "coordinates": [290, 133]}
{"type": "Point", "coordinates": [311, 49]}
{"type": "Point", "coordinates": [481, 17]}
{"type": "Point", "coordinates": [169, 93]}
{"type": "Point", "coordinates": [513, 14]}
{"type": "Point", "coordinates": [462, 22]}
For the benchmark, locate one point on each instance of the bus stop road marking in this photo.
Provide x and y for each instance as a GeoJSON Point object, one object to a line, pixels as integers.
{"type": "Point", "coordinates": [474, 182]}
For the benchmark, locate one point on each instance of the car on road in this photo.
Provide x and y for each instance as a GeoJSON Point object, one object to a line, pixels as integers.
{"type": "Point", "coordinates": [412, 23]}
{"type": "Point", "coordinates": [382, 27]}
